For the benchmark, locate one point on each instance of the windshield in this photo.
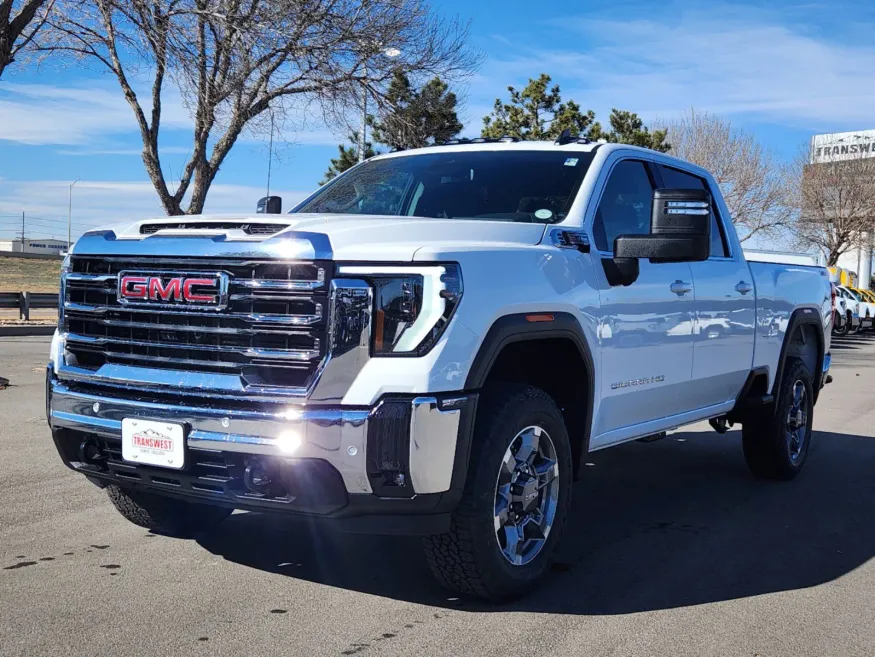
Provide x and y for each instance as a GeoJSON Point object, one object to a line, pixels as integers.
{"type": "Point", "coordinates": [853, 295]}
{"type": "Point", "coordinates": [522, 186]}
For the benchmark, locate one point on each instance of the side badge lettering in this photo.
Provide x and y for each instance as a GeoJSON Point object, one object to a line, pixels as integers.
{"type": "Point", "coordinates": [638, 382]}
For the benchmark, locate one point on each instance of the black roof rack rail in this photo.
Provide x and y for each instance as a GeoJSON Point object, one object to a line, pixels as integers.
{"type": "Point", "coordinates": [479, 140]}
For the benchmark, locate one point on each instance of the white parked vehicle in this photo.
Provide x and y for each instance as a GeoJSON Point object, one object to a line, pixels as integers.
{"type": "Point", "coordinates": [855, 310]}
{"type": "Point", "coordinates": [430, 344]}
{"type": "Point", "coordinates": [865, 309]}
{"type": "Point", "coordinates": [841, 317]}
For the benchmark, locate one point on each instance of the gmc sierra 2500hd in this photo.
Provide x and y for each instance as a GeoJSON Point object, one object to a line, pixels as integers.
{"type": "Point", "coordinates": [430, 344]}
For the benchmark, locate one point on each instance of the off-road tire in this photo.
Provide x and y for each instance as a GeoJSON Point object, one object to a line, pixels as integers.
{"type": "Point", "coordinates": [764, 436]}
{"type": "Point", "coordinates": [468, 559]}
{"type": "Point", "coordinates": [164, 514]}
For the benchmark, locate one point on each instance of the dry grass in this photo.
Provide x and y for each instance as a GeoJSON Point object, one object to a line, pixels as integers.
{"type": "Point", "coordinates": [29, 275]}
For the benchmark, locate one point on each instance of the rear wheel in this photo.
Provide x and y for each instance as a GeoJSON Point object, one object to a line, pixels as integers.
{"type": "Point", "coordinates": [165, 514]}
{"type": "Point", "coordinates": [776, 443]}
{"type": "Point", "coordinates": [516, 498]}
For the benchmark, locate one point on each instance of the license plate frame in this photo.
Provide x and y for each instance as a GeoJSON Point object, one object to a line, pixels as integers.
{"type": "Point", "coordinates": [153, 442]}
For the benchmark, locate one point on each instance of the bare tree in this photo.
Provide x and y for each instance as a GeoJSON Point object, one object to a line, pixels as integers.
{"type": "Point", "coordinates": [834, 193]}
{"type": "Point", "coordinates": [752, 179]}
{"type": "Point", "coordinates": [232, 60]}
{"type": "Point", "coordinates": [18, 30]}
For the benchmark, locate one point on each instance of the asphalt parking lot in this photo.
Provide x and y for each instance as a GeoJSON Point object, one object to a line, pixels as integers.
{"type": "Point", "coordinates": [673, 550]}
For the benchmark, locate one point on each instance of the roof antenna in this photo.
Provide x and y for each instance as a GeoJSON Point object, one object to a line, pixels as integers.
{"type": "Point", "coordinates": [270, 153]}
{"type": "Point", "coordinates": [565, 137]}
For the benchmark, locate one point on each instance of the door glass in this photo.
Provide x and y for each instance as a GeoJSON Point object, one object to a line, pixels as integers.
{"type": "Point", "coordinates": [677, 179]}
{"type": "Point", "coordinates": [626, 203]}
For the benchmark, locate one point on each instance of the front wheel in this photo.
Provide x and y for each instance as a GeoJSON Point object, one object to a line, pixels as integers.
{"type": "Point", "coordinates": [776, 443]}
{"type": "Point", "coordinates": [516, 498]}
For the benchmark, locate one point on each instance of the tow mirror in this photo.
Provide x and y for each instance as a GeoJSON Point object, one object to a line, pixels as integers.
{"type": "Point", "coordinates": [269, 205]}
{"type": "Point", "coordinates": [680, 231]}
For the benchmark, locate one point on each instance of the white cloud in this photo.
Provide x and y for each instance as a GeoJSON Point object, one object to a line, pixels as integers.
{"type": "Point", "coordinates": [730, 60]}
{"type": "Point", "coordinates": [165, 150]}
{"type": "Point", "coordinates": [88, 117]}
{"type": "Point", "coordinates": [39, 114]}
{"type": "Point", "coordinates": [97, 203]}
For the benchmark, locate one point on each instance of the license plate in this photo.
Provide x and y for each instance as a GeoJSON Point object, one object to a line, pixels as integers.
{"type": "Point", "coordinates": [153, 443]}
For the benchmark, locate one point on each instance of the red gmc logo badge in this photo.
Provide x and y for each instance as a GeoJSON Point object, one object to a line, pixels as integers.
{"type": "Point", "coordinates": [191, 289]}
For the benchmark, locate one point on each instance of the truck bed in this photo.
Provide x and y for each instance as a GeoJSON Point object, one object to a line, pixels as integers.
{"type": "Point", "coordinates": [780, 290]}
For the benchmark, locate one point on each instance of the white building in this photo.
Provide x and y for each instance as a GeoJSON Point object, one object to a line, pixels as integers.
{"type": "Point", "coordinates": [848, 146]}
{"type": "Point", "coordinates": [46, 246]}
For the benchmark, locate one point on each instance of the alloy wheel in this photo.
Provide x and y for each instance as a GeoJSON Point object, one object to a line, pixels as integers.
{"type": "Point", "coordinates": [797, 422]}
{"type": "Point", "coordinates": [526, 495]}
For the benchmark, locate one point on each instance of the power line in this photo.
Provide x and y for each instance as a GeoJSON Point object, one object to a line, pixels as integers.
{"type": "Point", "coordinates": [47, 224]}
{"type": "Point", "coordinates": [17, 232]}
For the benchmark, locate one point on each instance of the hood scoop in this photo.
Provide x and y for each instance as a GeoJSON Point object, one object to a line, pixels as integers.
{"type": "Point", "coordinates": [247, 227]}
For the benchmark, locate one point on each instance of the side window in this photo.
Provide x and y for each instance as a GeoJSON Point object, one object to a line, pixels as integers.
{"type": "Point", "coordinates": [626, 203]}
{"type": "Point", "coordinates": [677, 179]}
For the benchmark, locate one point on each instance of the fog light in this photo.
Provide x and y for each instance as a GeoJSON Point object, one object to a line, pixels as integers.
{"type": "Point", "coordinates": [288, 442]}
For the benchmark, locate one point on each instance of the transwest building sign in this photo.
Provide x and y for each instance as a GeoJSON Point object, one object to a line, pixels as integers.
{"type": "Point", "coordinates": [842, 146]}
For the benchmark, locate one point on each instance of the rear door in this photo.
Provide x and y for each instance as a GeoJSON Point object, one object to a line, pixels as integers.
{"type": "Point", "coordinates": [725, 307]}
{"type": "Point", "coordinates": [645, 329]}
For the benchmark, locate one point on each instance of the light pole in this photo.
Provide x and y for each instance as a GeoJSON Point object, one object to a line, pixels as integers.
{"type": "Point", "coordinates": [391, 53]}
{"type": "Point", "coordinates": [70, 215]}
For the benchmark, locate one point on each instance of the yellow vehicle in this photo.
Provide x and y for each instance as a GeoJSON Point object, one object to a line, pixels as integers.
{"type": "Point", "coordinates": [868, 295]}
{"type": "Point", "coordinates": [841, 276]}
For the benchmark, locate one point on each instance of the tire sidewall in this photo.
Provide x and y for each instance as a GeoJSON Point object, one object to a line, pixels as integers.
{"type": "Point", "coordinates": [496, 437]}
{"type": "Point", "coordinates": [797, 372]}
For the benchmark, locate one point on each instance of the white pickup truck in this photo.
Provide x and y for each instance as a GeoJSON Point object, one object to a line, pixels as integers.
{"type": "Point", "coordinates": [430, 344]}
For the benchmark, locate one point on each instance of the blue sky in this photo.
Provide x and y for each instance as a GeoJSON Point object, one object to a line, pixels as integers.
{"type": "Point", "coordinates": [784, 72]}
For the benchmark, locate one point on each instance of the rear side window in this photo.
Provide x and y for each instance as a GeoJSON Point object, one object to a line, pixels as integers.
{"type": "Point", "coordinates": [626, 203]}
{"type": "Point", "coordinates": [677, 179]}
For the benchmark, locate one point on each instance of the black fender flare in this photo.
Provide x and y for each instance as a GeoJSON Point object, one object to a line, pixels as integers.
{"type": "Point", "coordinates": [802, 317]}
{"type": "Point", "coordinates": [510, 329]}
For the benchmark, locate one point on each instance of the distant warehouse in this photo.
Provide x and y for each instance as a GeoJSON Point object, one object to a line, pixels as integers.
{"type": "Point", "coordinates": [46, 247]}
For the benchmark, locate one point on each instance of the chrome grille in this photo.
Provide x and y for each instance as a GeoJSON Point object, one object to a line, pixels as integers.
{"type": "Point", "coordinates": [272, 334]}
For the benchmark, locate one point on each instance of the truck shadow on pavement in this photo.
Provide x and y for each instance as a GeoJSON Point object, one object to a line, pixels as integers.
{"type": "Point", "coordinates": [851, 342]}
{"type": "Point", "coordinates": [655, 526]}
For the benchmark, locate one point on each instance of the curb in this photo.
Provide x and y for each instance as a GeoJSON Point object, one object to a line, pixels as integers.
{"type": "Point", "coordinates": [37, 329]}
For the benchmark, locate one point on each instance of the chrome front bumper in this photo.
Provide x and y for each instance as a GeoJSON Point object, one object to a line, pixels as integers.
{"type": "Point", "coordinates": [339, 435]}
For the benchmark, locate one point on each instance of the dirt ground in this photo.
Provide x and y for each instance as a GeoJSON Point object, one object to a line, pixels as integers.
{"type": "Point", "coordinates": [29, 275]}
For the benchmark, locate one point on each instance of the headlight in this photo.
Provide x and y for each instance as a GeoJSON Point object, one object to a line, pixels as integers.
{"type": "Point", "coordinates": [412, 305]}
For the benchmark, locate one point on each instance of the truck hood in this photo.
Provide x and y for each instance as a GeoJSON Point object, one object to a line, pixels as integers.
{"type": "Point", "coordinates": [349, 237]}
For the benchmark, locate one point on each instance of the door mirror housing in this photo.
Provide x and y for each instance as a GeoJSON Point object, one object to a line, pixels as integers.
{"type": "Point", "coordinates": [269, 205]}
{"type": "Point", "coordinates": [680, 231]}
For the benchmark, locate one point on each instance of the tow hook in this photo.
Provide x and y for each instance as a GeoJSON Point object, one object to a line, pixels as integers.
{"type": "Point", "coordinates": [91, 453]}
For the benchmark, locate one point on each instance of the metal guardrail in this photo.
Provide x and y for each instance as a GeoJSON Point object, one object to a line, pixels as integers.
{"type": "Point", "coordinates": [32, 256]}
{"type": "Point", "coordinates": [25, 301]}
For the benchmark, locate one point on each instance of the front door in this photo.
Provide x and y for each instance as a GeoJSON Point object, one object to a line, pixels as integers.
{"type": "Point", "coordinates": [645, 329]}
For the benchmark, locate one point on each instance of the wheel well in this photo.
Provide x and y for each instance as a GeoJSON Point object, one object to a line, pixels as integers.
{"type": "Point", "coordinates": [556, 366]}
{"type": "Point", "coordinates": [805, 345]}
{"type": "Point", "coordinates": [805, 342]}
